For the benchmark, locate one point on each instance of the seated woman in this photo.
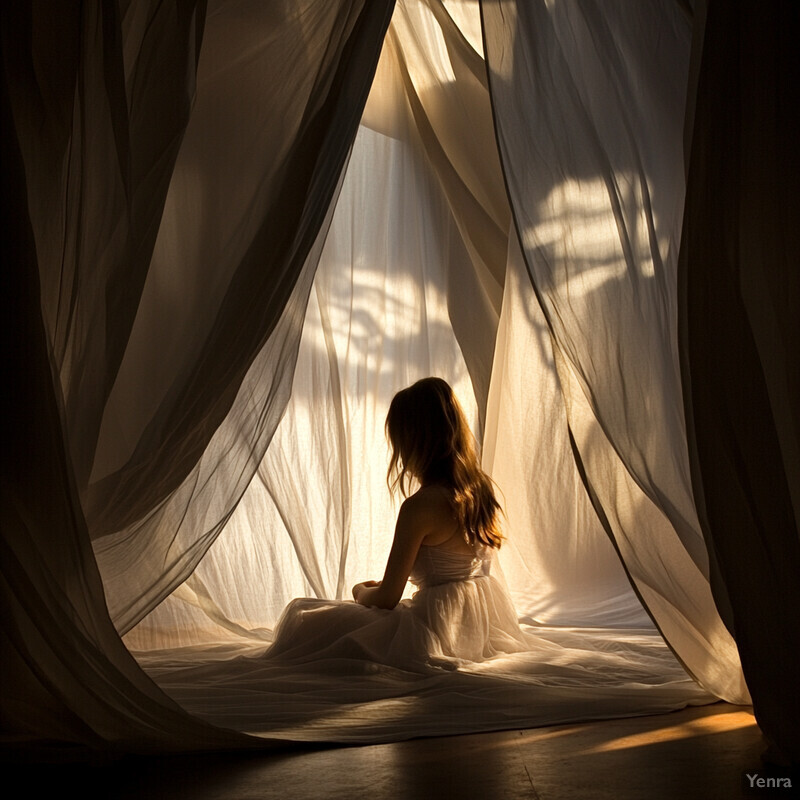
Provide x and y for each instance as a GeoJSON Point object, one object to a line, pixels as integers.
{"type": "Point", "coordinates": [445, 536]}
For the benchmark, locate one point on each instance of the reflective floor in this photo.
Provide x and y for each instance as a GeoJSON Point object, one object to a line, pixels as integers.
{"type": "Point", "coordinates": [704, 752]}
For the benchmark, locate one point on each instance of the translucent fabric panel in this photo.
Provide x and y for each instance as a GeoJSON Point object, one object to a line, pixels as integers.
{"type": "Point", "coordinates": [318, 516]}
{"type": "Point", "coordinates": [589, 102]}
{"type": "Point", "coordinates": [186, 423]}
{"type": "Point", "coordinates": [65, 673]}
{"type": "Point", "coordinates": [245, 203]}
{"type": "Point", "coordinates": [445, 82]}
{"type": "Point", "coordinates": [66, 676]}
{"type": "Point", "coordinates": [559, 563]}
{"type": "Point", "coordinates": [102, 109]}
{"type": "Point", "coordinates": [94, 104]}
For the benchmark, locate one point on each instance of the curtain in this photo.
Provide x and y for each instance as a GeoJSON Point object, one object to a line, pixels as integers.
{"type": "Point", "coordinates": [559, 563]}
{"type": "Point", "coordinates": [245, 212]}
{"type": "Point", "coordinates": [65, 675]}
{"type": "Point", "coordinates": [409, 288]}
{"type": "Point", "coordinates": [218, 399]}
{"type": "Point", "coordinates": [400, 293]}
{"type": "Point", "coordinates": [740, 340]}
{"type": "Point", "coordinates": [588, 103]}
{"type": "Point", "coordinates": [145, 368]}
{"type": "Point", "coordinates": [406, 263]}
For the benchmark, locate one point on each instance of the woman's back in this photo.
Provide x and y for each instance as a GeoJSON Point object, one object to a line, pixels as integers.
{"type": "Point", "coordinates": [445, 554]}
{"type": "Point", "coordinates": [446, 532]}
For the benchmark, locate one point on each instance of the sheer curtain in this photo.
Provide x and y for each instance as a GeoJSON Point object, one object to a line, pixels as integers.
{"type": "Point", "coordinates": [149, 348]}
{"type": "Point", "coordinates": [65, 675]}
{"type": "Point", "coordinates": [589, 101]}
{"type": "Point", "coordinates": [418, 236]}
{"type": "Point", "coordinates": [406, 291]}
{"type": "Point", "coordinates": [176, 247]}
{"type": "Point", "coordinates": [401, 292]}
{"type": "Point", "coordinates": [189, 419]}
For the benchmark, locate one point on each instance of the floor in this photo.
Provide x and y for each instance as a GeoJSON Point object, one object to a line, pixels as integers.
{"type": "Point", "coordinates": [700, 752]}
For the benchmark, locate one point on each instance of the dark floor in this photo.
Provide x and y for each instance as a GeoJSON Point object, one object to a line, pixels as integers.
{"type": "Point", "coordinates": [703, 752]}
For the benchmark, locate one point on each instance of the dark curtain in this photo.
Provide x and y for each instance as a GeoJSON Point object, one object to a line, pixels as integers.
{"type": "Point", "coordinates": [96, 98]}
{"type": "Point", "coordinates": [66, 675]}
{"type": "Point", "coordinates": [739, 298]}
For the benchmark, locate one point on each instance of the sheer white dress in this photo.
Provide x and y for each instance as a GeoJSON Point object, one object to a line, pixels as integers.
{"type": "Point", "coordinates": [452, 659]}
{"type": "Point", "coordinates": [459, 614]}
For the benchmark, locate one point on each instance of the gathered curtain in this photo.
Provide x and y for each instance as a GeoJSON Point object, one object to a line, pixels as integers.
{"type": "Point", "coordinates": [97, 109]}
{"type": "Point", "coordinates": [740, 339]}
{"type": "Point", "coordinates": [594, 167]}
{"type": "Point", "coordinates": [236, 277]}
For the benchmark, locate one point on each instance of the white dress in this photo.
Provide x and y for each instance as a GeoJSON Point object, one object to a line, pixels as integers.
{"type": "Point", "coordinates": [459, 614]}
{"type": "Point", "coordinates": [453, 659]}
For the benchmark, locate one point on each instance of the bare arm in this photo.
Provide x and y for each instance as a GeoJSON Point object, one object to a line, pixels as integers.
{"type": "Point", "coordinates": [413, 525]}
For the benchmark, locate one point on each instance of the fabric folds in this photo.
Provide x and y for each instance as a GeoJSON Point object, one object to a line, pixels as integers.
{"type": "Point", "coordinates": [740, 340]}
{"type": "Point", "coordinates": [99, 127]}
{"type": "Point", "coordinates": [452, 657]}
{"type": "Point", "coordinates": [588, 105]}
{"type": "Point", "coordinates": [238, 228]}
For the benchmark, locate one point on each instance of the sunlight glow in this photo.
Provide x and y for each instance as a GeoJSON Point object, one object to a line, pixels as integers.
{"type": "Point", "coordinates": [716, 723]}
{"type": "Point", "coordinates": [588, 223]}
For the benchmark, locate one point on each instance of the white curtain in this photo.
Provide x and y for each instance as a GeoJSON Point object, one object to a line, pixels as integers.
{"type": "Point", "coordinates": [385, 310]}
{"type": "Point", "coordinates": [388, 287]}
{"type": "Point", "coordinates": [589, 102]}
{"type": "Point", "coordinates": [400, 293]}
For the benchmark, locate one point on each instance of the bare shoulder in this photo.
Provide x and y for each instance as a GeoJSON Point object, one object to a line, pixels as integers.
{"type": "Point", "coordinates": [428, 510]}
{"type": "Point", "coordinates": [429, 499]}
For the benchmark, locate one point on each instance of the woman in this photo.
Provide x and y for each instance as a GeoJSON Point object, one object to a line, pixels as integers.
{"type": "Point", "coordinates": [454, 512]}
{"type": "Point", "coordinates": [446, 533]}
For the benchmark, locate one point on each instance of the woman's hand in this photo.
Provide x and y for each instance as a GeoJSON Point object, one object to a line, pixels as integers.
{"type": "Point", "coordinates": [358, 590]}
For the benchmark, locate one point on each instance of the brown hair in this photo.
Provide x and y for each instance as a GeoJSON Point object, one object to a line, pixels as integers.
{"type": "Point", "coordinates": [431, 441]}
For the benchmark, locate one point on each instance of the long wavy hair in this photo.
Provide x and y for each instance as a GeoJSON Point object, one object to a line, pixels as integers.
{"type": "Point", "coordinates": [432, 443]}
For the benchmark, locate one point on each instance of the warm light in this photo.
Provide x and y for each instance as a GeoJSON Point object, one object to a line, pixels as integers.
{"type": "Point", "coordinates": [581, 221]}
{"type": "Point", "coordinates": [715, 723]}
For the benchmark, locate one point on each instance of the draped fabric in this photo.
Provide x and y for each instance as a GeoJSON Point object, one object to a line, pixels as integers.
{"type": "Point", "coordinates": [388, 306]}
{"type": "Point", "coordinates": [97, 104]}
{"type": "Point", "coordinates": [391, 298]}
{"type": "Point", "coordinates": [594, 171]}
{"type": "Point", "coordinates": [381, 316]}
{"type": "Point", "coordinates": [245, 212]}
{"type": "Point", "coordinates": [740, 342]}
{"type": "Point", "coordinates": [233, 287]}
{"type": "Point", "coordinates": [65, 673]}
